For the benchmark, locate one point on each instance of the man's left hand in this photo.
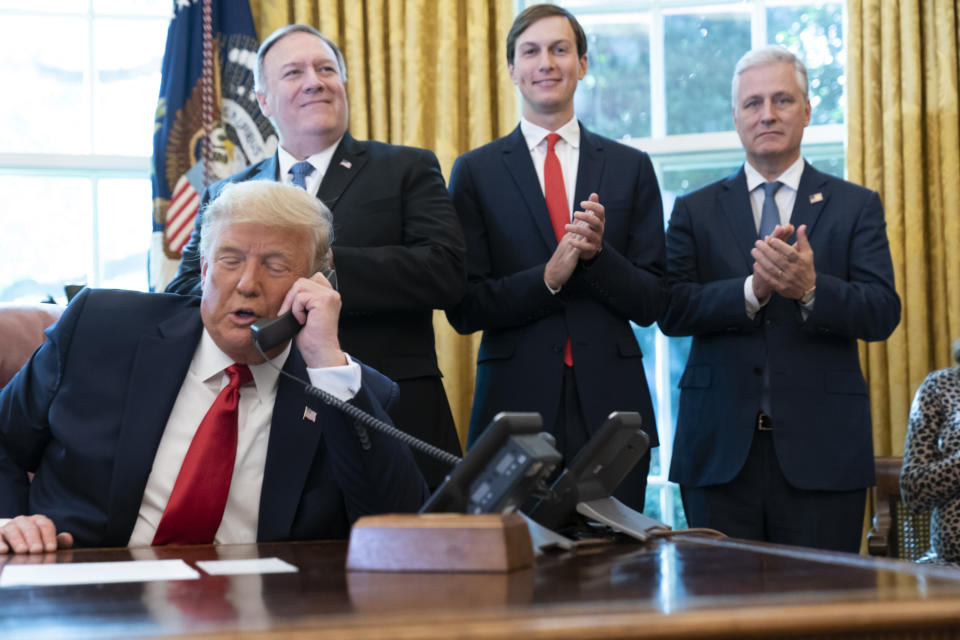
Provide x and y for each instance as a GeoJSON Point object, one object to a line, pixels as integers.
{"type": "Point", "coordinates": [587, 228]}
{"type": "Point", "coordinates": [317, 306]}
{"type": "Point", "coordinates": [789, 268]}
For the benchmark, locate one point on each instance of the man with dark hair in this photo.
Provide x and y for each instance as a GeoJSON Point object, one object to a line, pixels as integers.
{"type": "Point", "coordinates": [776, 272]}
{"type": "Point", "coordinates": [398, 250]}
{"type": "Point", "coordinates": [564, 234]}
{"type": "Point", "coordinates": [152, 419]}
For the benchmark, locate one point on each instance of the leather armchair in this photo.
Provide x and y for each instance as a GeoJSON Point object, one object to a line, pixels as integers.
{"type": "Point", "coordinates": [21, 333]}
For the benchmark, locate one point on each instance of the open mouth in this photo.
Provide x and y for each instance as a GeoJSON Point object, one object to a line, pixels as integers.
{"type": "Point", "coordinates": [244, 316]}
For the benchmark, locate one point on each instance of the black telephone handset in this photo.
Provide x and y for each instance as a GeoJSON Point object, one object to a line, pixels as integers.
{"type": "Point", "coordinates": [270, 333]}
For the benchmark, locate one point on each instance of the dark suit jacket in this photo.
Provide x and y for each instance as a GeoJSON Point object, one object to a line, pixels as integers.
{"type": "Point", "coordinates": [822, 430]}
{"type": "Point", "coordinates": [86, 413]}
{"type": "Point", "coordinates": [397, 249]}
{"type": "Point", "coordinates": [509, 241]}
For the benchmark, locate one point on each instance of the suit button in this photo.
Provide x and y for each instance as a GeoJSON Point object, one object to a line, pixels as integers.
{"type": "Point", "coordinates": [758, 371]}
{"type": "Point", "coordinates": [768, 323]}
{"type": "Point", "coordinates": [557, 348]}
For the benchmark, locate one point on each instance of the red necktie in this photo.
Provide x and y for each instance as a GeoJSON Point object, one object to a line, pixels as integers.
{"type": "Point", "coordinates": [556, 194]}
{"type": "Point", "coordinates": [195, 508]}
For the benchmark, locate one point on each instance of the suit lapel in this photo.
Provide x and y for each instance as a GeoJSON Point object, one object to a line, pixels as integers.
{"type": "Point", "coordinates": [148, 401]}
{"type": "Point", "coordinates": [590, 167]}
{"type": "Point", "coordinates": [345, 165]}
{"type": "Point", "coordinates": [269, 169]}
{"type": "Point", "coordinates": [735, 209]}
{"type": "Point", "coordinates": [516, 156]}
{"type": "Point", "coordinates": [811, 198]}
{"type": "Point", "coordinates": [290, 453]}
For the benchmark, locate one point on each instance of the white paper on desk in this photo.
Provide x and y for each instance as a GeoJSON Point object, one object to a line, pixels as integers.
{"type": "Point", "coordinates": [20, 575]}
{"type": "Point", "coordinates": [239, 567]}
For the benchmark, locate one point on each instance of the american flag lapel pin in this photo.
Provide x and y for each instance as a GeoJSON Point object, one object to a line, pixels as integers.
{"type": "Point", "coordinates": [346, 164]}
{"type": "Point", "coordinates": [309, 414]}
{"type": "Point", "coordinates": [816, 197]}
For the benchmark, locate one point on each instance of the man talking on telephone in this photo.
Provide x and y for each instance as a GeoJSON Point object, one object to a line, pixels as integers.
{"type": "Point", "coordinates": [398, 250]}
{"type": "Point", "coordinates": [153, 418]}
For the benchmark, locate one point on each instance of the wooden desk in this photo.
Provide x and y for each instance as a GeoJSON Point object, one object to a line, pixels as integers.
{"type": "Point", "coordinates": [686, 588]}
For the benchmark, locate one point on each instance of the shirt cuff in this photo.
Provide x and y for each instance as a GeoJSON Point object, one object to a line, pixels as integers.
{"type": "Point", "coordinates": [342, 381]}
{"type": "Point", "coordinates": [806, 309]}
{"type": "Point", "coordinates": [552, 291]}
{"type": "Point", "coordinates": [750, 298]}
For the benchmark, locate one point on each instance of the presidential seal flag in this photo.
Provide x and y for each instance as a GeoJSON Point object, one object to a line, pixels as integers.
{"type": "Point", "coordinates": [208, 125]}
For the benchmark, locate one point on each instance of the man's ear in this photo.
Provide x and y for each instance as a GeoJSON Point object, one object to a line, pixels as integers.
{"type": "Point", "coordinates": [203, 272]}
{"type": "Point", "coordinates": [262, 101]}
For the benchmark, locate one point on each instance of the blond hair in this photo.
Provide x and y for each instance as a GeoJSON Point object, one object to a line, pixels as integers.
{"type": "Point", "coordinates": [271, 204]}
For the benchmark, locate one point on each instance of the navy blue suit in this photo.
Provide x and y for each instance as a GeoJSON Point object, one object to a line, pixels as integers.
{"type": "Point", "coordinates": [821, 412]}
{"type": "Point", "coordinates": [87, 412]}
{"type": "Point", "coordinates": [509, 241]}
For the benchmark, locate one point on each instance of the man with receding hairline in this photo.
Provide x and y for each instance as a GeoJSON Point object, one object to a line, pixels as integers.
{"type": "Point", "coordinates": [397, 250]}
{"type": "Point", "coordinates": [776, 272]}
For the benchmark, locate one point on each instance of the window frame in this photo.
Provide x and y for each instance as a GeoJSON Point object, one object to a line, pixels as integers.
{"type": "Point", "coordinates": [91, 166]}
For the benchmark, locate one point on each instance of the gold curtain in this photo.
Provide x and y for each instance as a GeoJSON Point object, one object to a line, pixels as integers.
{"type": "Point", "coordinates": [904, 143]}
{"type": "Point", "coordinates": [426, 73]}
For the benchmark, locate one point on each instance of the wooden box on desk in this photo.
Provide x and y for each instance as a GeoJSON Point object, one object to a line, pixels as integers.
{"type": "Point", "coordinates": [440, 542]}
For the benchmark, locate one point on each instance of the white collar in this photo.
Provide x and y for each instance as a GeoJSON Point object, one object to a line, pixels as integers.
{"type": "Point", "coordinates": [320, 161]}
{"type": "Point", "coordinates": [534, 134]}
{"type": "Point", "coordinates": [210, 360]}
{"type": "Point", "coordinates": [790, 177]}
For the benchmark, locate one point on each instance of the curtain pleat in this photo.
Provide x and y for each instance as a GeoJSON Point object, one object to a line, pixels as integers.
{"type": "Point", "coordinates": [904, 143]}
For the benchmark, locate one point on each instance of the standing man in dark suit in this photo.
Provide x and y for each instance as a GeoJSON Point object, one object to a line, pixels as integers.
{"type": "Point", "coordinates": [564, 235]}
{"type": "Point", "coordinates": [398, 249]}
{"type": "Point", "coordinates": [776, 272]}
{"type": "Point", "coordinates": [120, 413]}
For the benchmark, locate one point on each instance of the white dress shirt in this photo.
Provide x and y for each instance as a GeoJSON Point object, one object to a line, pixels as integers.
{"type": "Point", "coordinates": [568, 153]}
{"type": "Point", "coordinates": [567, 150]}
{"type": "Point", "coordinates": [320, 162]}
{"type": "Point", "coordinates": [205, 378]}
{"type": "Point", "coordinates": [785, 198]}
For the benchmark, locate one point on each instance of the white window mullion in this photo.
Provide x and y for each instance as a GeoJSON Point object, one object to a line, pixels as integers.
{"type": "Point", "coordinates": [96, 265]}
{"type": "Point", "coordinates": [91, 79]}
{"type": "Point", "coordinates": [758, 24]}
{"type": "Point", "coordinates": [658, 92]}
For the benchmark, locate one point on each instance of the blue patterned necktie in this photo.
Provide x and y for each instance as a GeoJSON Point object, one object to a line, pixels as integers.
{"type": "Point", "coordinates": [769, 215]}
{"type": "Point", "coordinates": [300, 171]}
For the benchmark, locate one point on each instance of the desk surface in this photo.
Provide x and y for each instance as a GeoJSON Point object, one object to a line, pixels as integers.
{"type": "Point", "coordinates": [687, 587]}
